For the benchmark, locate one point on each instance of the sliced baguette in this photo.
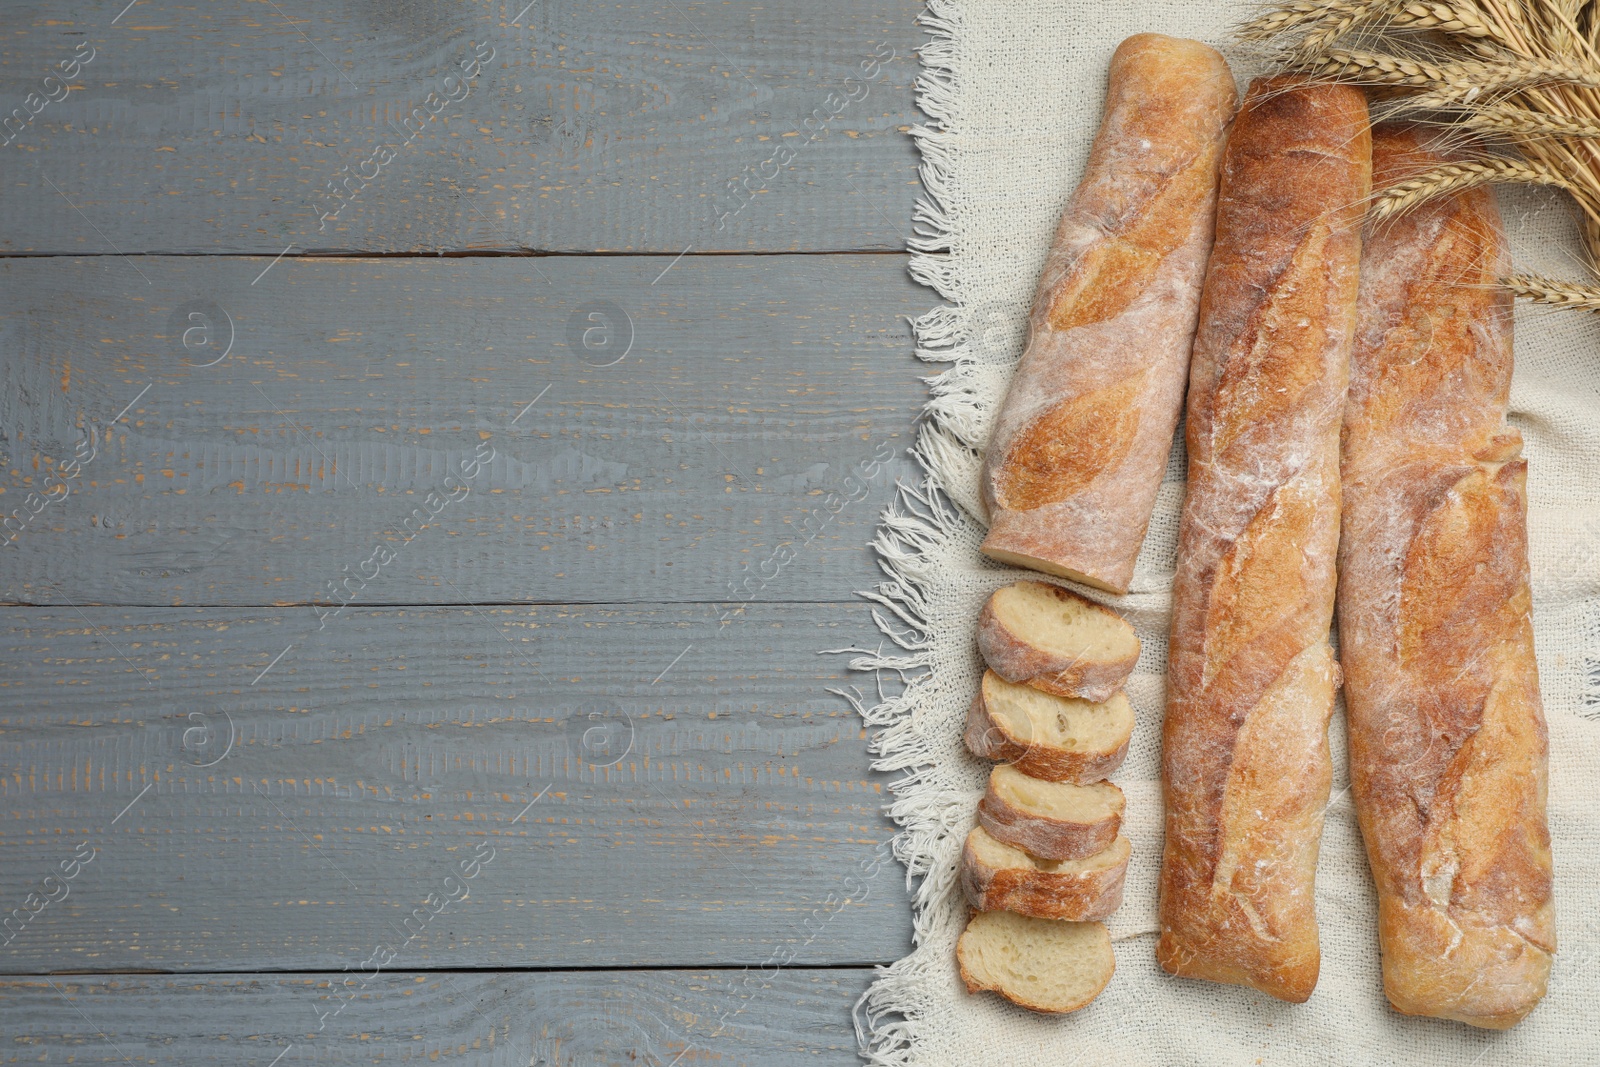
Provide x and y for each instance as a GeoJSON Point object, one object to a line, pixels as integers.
{"type": "Point", "coordinates": [1040, 964]}
{"type": "Point", "coordinates": [1055, 640]}
{"type": "Point", "coordinates": [1058, 739]}
{"type": "Point", "coordinates": [1051, 820]}
{"type": "Point", "coordinates": [997, 877]}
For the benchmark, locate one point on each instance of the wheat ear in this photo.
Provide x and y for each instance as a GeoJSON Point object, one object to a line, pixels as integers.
{"type": "Point", "coordinates": [1542, 290]}
{"type": "Point", "coordinates": [1322, 23]}
{"type": "Point", "coordinates": [1328, 19]}
{"type": "Point", "coordinates": [1509, 118]}
{"type": "Point", "coordinates": [1456, 177]}
{"type": "Point", "coordinates": [1450, 82]}
{"type": "Point", "coordinates": [1446, 18]}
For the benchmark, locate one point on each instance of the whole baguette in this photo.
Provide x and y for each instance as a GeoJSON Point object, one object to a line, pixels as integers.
{"type": "Point", "coordinates": [1079, 446]}
{"type": "Point", "coordinates": [1251, 679]}
{"type": "Point", "coordinates": [1447, 732]}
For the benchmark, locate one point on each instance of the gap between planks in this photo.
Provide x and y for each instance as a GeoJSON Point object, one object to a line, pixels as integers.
{"type": "Point", "coordinates": [487, 253]}
{"type": "Point", "coordinates": [599, 968]}
{"type": "Point", "coordinates": [421, 604]}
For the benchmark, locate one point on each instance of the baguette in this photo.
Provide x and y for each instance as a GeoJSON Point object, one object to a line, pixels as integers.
{"type": "Point", "coordinates": [1057, 739]}
{"type": "Point", "coordinates": [1055, 640]}
{"type": "Point", "coordinates": [1043, 965]}
{"type": "Point", "coordinates": [1080, 444]}
{"type": "Point", "coordinates": [1251, 680]}
{"type": "Point", "coordinates": [997, 877]}
{"type": "Point", "coordinates": [1447, 734]}
{"type": "Point", "coordinates": [1051, 820]}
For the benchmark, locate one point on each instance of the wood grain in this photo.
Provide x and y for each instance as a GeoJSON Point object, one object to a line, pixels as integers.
{"type": "Point", "coordinates": [598, 662]}
{"type": "Point", "coordinates": [216, 128]}
{"type": "Point", "coordinates": [757, 393]}
{"type": "Point", "coordinates": [626, 1018]}
{"type": "Point", "coordinates": [715, 817]}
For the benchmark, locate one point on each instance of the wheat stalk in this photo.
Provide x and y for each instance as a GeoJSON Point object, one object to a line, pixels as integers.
{"type": "Point", "coordinates": [1519, 72]}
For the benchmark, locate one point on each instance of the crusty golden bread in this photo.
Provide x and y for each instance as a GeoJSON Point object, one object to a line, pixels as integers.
{"type": "Point", "coordinates": [1447, 733]}
{"type": "Point", "coordinates": [1079, 445]}
{"type": "Point", "coordinates": [1051, 820]}
{"type": "Point", "coordinates": [1057, 739]}
{"type": "Point", "coordinates": [997, 877]}
{"type": "Point", "coordinates": [1042, 635]}
{"type": "Point", "coordinates": [1251, 676]}
{"type": "Point", "coordinates": [1044, 965]}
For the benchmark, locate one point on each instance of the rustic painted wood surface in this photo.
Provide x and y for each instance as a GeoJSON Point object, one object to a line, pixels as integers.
{"type": "Point", "coordinates": [507, 1019]}
{"type": "Point", "coordinates": [203, 127]}
{"type": "Point", "coordinates": [284, 717]}
{"type": "Point", "coordinates": [757, 393]}
{"type": "Point", "coordinates": [705, 799]}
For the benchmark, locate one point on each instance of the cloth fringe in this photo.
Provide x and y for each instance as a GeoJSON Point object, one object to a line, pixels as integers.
{"type": "Point", "coordinates": [915, 532]}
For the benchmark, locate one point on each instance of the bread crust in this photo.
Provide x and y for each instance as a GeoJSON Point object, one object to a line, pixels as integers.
{"type": "Point", "coordinates": [1014, 657]}
{"type": "Point", "coordinates": [1251, 676]}
{"type": "Point", "coordinates": [988, 737]}
{"type": "Point", "coordinates": [1448, 743]}
{"type": "Point", "coordinates": [1078, 896]}
{"type": "Point", "coordinates": [1043, 835]}
{"type": "Point", "coordinates": [1080, 444]}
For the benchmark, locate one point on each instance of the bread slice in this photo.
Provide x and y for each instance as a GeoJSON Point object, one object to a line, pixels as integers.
{"type": "Point", "coordinates": [1058, 739]}
{"type": "Point", "coordinates": [1051, 820]}
{"type": "Point", "coordinates": [1055, 640]}
{"type": "Point", "coordinates": [1041, 964]}
{"type": "Point", "coordinates": [997, 877]}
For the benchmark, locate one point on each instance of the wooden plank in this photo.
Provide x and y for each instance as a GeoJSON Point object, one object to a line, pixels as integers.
{"type": "Point", "coordinates": [202, 127]}
{"type": "Point", "coordinates": [632, 1018]}
{"type": "Point", "coordinates": [236, 789]}
{"type": "Point", "coordinates": [762, 410]}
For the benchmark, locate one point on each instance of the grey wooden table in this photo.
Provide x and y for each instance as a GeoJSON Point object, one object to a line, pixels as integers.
{"type": "Point", "coordinates": [436, 441]}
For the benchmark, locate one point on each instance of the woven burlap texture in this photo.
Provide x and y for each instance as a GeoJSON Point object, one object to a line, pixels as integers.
{"type": "Point", "coordinates": [1013, 91]}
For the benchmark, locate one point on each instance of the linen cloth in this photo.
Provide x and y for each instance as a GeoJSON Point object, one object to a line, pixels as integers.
{"type": "Point", "coordinates": [1013, 89]}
